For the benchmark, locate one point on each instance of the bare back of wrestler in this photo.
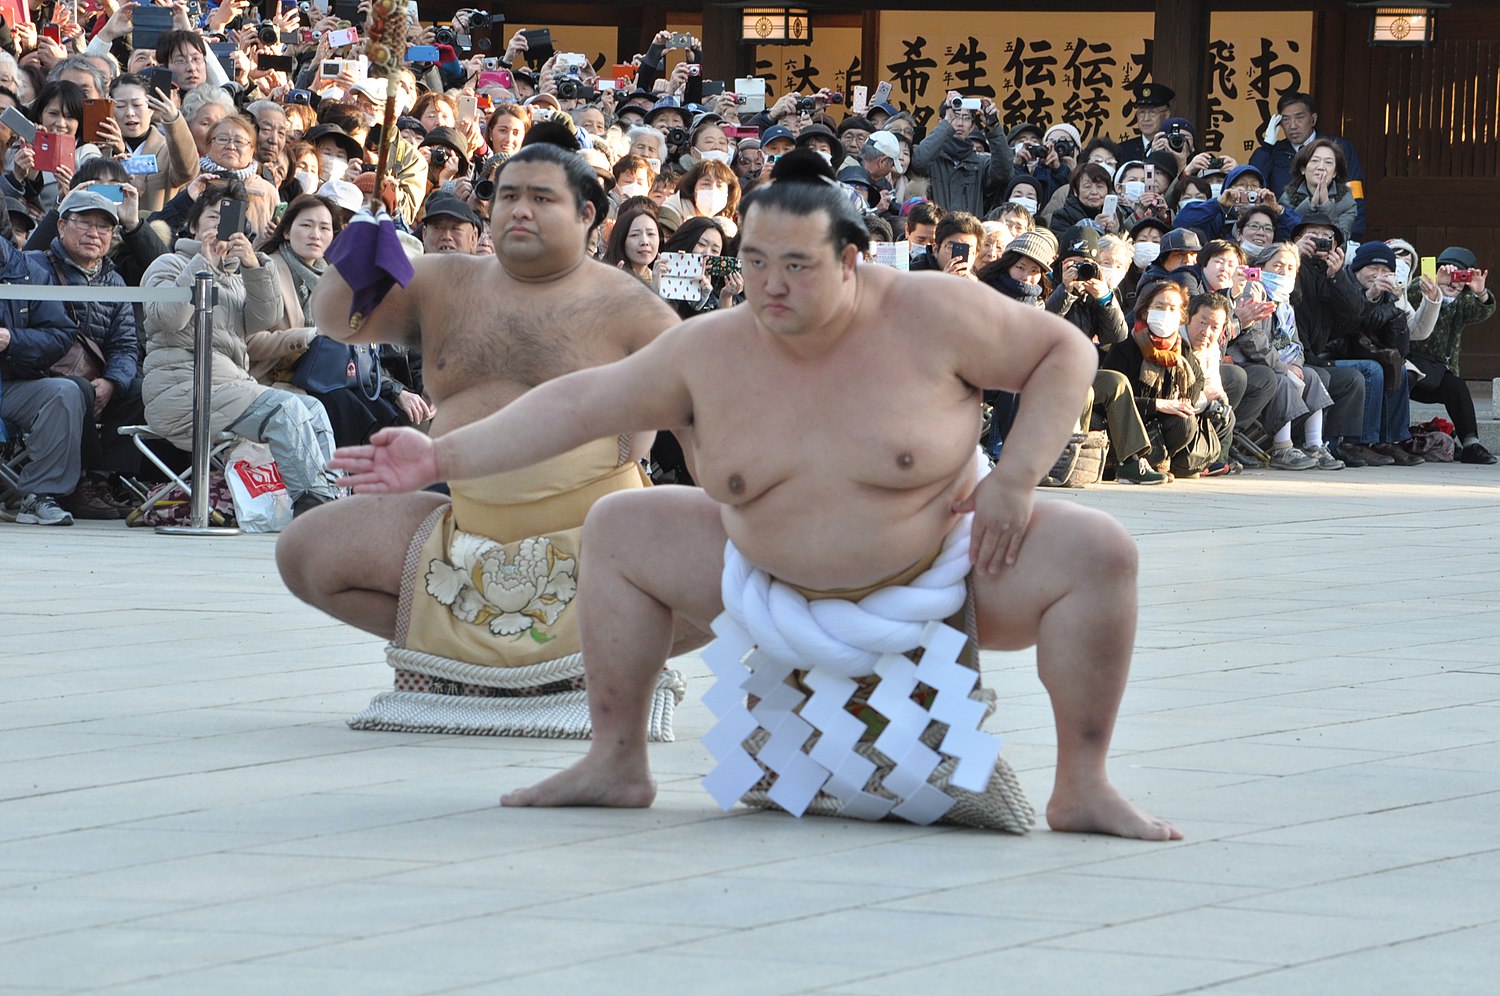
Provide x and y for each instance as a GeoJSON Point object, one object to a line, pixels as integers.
{"type": "Point", "coordinates": [490, 329]}
{"type": "Point", "coordinates": [833, 421]}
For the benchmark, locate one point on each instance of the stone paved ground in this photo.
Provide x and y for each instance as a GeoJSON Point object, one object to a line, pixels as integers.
{"type": "Point", "coordinates": [1316, 701]}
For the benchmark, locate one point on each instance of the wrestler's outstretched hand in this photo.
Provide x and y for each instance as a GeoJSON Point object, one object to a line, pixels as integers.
{"type": "Point", "coordinates": [396, 460]}
{"type": "Point", "coordinates": [1002, 511]}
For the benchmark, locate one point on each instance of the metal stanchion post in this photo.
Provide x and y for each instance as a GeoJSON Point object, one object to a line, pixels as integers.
{"type": "Point", "coordinates": [203, 385]}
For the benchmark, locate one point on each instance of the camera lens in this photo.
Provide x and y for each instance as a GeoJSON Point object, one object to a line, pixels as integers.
{"type": "Point", "coordinates": [479, 19]}
{"type": "Point", "coordinates": [677, 136]}
{"type": "Point", "coordinates": [484, 189]}
{"type": "Point", "coordinates": [267, 34]}
{"type": "Point", "coordinates": [444, 36]}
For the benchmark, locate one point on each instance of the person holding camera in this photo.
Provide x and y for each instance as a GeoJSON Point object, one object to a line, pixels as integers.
{"type": "Point", "coordinates": [1085, 297]}
{"type": "Point", "coordinates": [1465, 300]}
{"type": "Point", "coordinates": [1376, 347]}
{"type": "Point", "coordinates": [1088, 190]}
{"type": "Point", "coordinates": [955, 246]}
{"type": "Point", "coordinates": [961, 178]}
{"type": "Point", "coordinates": [1319, 183]}
{"type": "Point", "coordinates": [1243, 189]}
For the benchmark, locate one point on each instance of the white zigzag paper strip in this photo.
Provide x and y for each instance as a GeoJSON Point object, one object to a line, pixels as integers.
{"type": "Point", "coordinates": [768, 630]}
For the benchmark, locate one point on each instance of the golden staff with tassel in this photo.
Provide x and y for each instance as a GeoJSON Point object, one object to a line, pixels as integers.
{"type": "Point", "coordinates": [387, 53]}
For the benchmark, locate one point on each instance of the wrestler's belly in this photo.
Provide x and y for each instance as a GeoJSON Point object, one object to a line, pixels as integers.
{"type": "Point", "coordinates": [818, 537]}
{"type": "Point", "coordinates": [471, 403]}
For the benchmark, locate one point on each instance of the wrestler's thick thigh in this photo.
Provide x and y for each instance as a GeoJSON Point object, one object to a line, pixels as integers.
{"type": "Point", "coordinates": [667, 541]}
{"type": "Point", "coordinates": [356, 543]}
{"type": "Point", "coordinates": [1068, 549]}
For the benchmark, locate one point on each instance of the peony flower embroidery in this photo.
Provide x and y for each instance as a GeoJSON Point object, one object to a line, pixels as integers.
{"type": "Point", "coordinates": [511, 595]}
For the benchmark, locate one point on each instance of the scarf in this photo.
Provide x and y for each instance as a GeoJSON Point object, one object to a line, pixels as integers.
{"type": "Point", "coordinates": [1012, 288]}
{"type": "Point", "coordinates": [207, 165]}
{"type": "Point", "coordinates": [1162, 369]}
{"type": "Point", "coordinates": [304, 276]}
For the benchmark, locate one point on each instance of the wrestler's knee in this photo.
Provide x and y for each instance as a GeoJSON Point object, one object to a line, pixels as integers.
{"type": "Point", "coordinates": [297, 555]}
{"type": "Point", "coordinates": [1089, 543]}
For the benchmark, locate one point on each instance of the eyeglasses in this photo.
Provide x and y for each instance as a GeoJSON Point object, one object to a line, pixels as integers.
{"type": "Point", "coordinates": [80, 221]}
{"type": "Point", "coordinates": [186, 60]}
{"type": "Point", "coordinates": [1258, 227]}
{"type": "Point", "coordinates": [232, 142]}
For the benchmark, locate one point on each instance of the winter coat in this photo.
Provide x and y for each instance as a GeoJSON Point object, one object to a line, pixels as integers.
{"type": "Point", "coordinates": [1327, 307]}
{"type": "Point", "coordinates": [248, 303]}
{"type": "Point", "coordinates": [962, 179]}
{"type": "Point", "coordinates": [1341, 208]}
{"type": "Point", "coordinates": [40, 332]}
{"type": "Point", "coordinates": [1446, 339]}
{"type": "Point", "coordinates": [1102, 321]}
{"type": "Point", "coordinates": [109, 323]}
{"type": "Point", "coordinates": [176, 163]}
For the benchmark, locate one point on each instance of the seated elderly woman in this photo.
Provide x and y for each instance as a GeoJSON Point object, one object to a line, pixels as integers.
{"type": "Point", "coordinates": [248, 302]}
{"type": "Point", "coordinates": [1167, 381]}
{"type": "Point", "coordinates": [1272, 341]}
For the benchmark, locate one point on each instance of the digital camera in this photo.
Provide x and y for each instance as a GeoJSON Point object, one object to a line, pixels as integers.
{"type": "Point", "coordinates": [1065, 147]}
{"type": "Point", "coordinates": [1322, 245]}
{"type": "Point", "coordinates": [1086, 270]}
{"type": "Point", "coordinates": [572, 88]}
{"type": "Point", "coordinates": [1177, 138]}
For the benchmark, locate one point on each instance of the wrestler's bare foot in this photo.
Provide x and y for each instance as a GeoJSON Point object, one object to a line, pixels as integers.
{"type": "Point", "coordinates": [1100, 808]}
{"type": "Point", "coordinates": [593, 781]}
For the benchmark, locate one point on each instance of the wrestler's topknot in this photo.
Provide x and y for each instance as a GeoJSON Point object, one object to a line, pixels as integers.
{"type": "Point", "coordinates": [804, 183]}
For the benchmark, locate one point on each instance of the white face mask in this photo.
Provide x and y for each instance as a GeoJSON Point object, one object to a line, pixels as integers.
{"type": "Point", "coordinates": [1163, 324]}
{"type": "Point", "coordinates": [1146, 253]}
{"type": "Point", "coordinates": [1216, 189]}
{"type": "Point", "coordinates": [714, 154]}
{"type": "Point", "coordinates": [1112, 275]}
{"type": "Point", "coordinates": [711, 202]}
{"type": "Point", "coordinates": [336, 167]}
{"type": "Point", "coordinates": [827, 156]}
{"type": "Point", "coordinates": [1027, 203]}
{"type": "Point", "coordinates": [1189, 200]}
{"type": "Point", "coordinates": [628, 190]}
{"type": "Point", "coordinates": [1278, 286]}
{"type": "Point", "coordinates": [1131, 191]}
{"type": "Point", "coordinates": [308, 181]}
{"type": "Point", "coordinates": [1251, 249]}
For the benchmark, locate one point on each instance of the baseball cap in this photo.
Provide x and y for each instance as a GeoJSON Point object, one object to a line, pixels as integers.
{"type": "Point", "coordinates": [887, 145]}
{"type": "Point", "coordinates": [87, 200]}
{"type": "Point", "coordinates": [774, 132]}
{"type": "Point", "coordinates": [343, 193]}
{"type": "Point", "coordinates": [446, 204]}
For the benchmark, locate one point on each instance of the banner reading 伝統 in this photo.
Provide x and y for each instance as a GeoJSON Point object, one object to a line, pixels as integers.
{"type": "Point", "coordinates": [1076, 67]}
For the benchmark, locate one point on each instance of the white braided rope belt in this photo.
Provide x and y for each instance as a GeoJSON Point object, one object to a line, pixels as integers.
{"type": "Point", "coordinates": [768, 631]}
{"type": "Point", "coordinates": [539, 700]}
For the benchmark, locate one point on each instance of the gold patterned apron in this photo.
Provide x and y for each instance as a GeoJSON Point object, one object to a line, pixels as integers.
{"type": "Point", "coordinates": [491, 578]}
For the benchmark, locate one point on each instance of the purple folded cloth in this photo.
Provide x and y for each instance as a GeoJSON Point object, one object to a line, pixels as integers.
{"type": "Point", "coordinates": [368, 255]}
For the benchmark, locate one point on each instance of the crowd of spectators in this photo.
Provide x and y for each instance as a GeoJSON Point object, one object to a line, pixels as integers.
{"type": "Point", "coordinates": [1227, 300]}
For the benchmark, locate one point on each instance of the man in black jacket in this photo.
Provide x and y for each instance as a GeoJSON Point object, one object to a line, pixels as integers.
{"type": "Point", "coordinates": [1376, 346]}
{"type": "Point", "coordinates": [1328, 299]}
{"type": "Point", "coordinates": [963, 178]}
